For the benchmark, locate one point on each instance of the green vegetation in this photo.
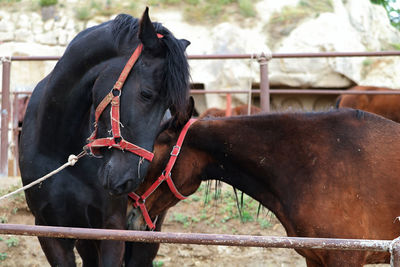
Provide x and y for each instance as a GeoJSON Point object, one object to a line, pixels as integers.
{"type": "Point", "coordinates": [17, 198]}
{"type": "Point", "coordinates": [220, 207]}
{"type": "Point", "coordinates": [12, 242]}
{"type": "Point", "coordinates": [367, 62]}
{"type": "Point", "coordinates": [264, 224]}
{"type": "Point", "coordinates": [210, 11]}
{"type": "Point", "coordinates": [158, 263]}
{"type": "Point", "coordinates": [194, 11]}
{"type": "Point", "coordinates": [3, 256]}
{"type": "Point", "coordinates": [246, 8]}
{"type": "Point", "coordinates": [283, 22]}
{"type": "Point", "coordinates": [395, 46]}
{"type": "Point", "coordinates": [181, 218]}
{"type": "Point", "coordinates": [83, 13]}
{"type": "Point", "coordinates": [392, 9]}
{"type": "Point", "coordinates": [9, 1]}
{"type": "Point", "coordinates": [47, 2]}
{"type": "Point", "coordinates": [3, 219]}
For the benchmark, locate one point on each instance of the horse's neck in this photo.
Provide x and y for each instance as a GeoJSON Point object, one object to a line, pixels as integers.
{"type": "Point", "coordinates": [66, 94]}
{"type": "Point", "coordinates": [241, 156]}
{"type": "Point", "coordinates": [88, 49]}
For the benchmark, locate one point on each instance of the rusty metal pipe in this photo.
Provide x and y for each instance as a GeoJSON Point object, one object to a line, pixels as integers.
{"type": "Point", "coordinates": [249, 56]}
{"type": "Point", "coordinates": [197, 239]}
{"type": "Point", "coordinates": [297, 92]}
{"type": "Point", "coordinates": [281, 91]}
{"type": "Point", "coordinates": [5, 116]}
{"type": "Point", "coordinates": [264, 83]}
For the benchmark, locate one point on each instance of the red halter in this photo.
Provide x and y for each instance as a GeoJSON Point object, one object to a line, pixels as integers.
{"type": "Point", "coordinates": [139, 201]}
{"type": "Point", "coordinates": [113, 97]}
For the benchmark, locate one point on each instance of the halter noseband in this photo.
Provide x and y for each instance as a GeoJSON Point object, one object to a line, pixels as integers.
{"type": "Point", "coordinates": [113, 98]}
{"type": "Point", "coordinates": [139, 201]}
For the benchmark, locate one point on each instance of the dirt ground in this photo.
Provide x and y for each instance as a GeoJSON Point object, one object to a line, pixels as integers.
{"type": "Point", "coordinates": [192, 215]}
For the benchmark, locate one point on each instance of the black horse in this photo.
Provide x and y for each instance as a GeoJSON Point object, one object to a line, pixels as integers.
{"type": "Point", "coordinates": [64, 111]}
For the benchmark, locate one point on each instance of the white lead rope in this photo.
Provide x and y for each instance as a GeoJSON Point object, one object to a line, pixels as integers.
{"type": "Point", "coordinates": [72, 159]}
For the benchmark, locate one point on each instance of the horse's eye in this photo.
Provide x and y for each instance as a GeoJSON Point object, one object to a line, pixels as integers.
{"type": "Point", "coordinates": [146, 95]}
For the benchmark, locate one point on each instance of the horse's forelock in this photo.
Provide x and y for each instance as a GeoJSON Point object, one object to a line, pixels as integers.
{"type": "Point", "coordinates": [176, 69]}
{"type": "Point", "coordinates": [176, 74]}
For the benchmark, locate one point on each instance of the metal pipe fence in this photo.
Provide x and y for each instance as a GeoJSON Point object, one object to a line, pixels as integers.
{"type": "Point", "coordinates": [392, 246]}
{"type": "Point", "coordinates": [265, 92]}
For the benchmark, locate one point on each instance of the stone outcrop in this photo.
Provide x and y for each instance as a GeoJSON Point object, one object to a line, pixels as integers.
{"type": "Point", "coordinates": [353, 25]}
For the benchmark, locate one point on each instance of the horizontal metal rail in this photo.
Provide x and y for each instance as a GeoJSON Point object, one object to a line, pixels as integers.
{"type": "Point", "coordinates": [298, 92]}
{"type": "Point", "coordinates": [249, 56]}
{"type": "Point", "coordinates": [279, 92]}
{"type": "Point", "coordinates": [197, 239]}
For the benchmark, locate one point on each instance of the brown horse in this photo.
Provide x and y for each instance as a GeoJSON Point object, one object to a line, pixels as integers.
{"type": "Point", "coordinates": [330, 175]}
{"type": "Point", "coordinates": [236, 111]}
{"type": "Point", "coordinates": [387, 106]}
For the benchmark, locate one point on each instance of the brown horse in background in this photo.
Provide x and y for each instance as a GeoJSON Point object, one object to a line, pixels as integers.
{"type": "Point", "coordinates": [330, 175]}
{"type": "Point", "coordinates": [387, 106]}
{"type": "Point", "coordinates": [236, 111]}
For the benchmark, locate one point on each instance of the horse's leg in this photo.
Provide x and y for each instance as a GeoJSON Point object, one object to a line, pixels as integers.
{"type": "Point", "coordinates": [59, 252]}
{"type": "Point", "coordinates": [143, 254]}
{"type": "Point", "coordinates": [112, 252]}
{"type": "Point", "coordinates": [345, 258]}
{"type": "Point", "coordinates": [89, 252]}
{"type": "Point", "coordinates": [337, 259]}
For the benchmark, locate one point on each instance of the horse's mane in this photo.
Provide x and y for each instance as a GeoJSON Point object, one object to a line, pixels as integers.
{"type": "Point", "coordinates": [176, 70]}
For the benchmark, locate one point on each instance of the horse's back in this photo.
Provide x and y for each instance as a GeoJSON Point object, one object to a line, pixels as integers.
{"type": "Point", "coordinates": [384, 105]}
{"type": "Point", "coordinates": [354, 181]}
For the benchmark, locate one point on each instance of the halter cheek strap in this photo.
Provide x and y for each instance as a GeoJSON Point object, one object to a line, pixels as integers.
{"type": "Point", "coordinates": [113, 98]}
{"type": "Point", "coordinates": [139, 201]}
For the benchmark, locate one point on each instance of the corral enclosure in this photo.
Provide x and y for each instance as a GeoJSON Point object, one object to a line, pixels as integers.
{"type": "Point", "coordinates": [283, 74]}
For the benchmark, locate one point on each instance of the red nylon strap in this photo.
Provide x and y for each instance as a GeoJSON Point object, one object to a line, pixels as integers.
{"type": "Point", "coordinates": [100, 108]}
{"type": "Point", "coordinates": [165, 176]}
{"type": "Point", "coordinates": [122, 145]}
{"type": "Point", "coordinates": [143, 209]}
{"type": "Point", "coordinates": [115, 122]}
{"type": "Point", "coordinates": [127, 69]}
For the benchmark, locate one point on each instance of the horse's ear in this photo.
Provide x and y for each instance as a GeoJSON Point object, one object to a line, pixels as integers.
{"type": "Point", "coordinates": [337, 103]}
{"type": "Point", "coordinates": [188, 113]}
{"type": "Point", "coordinates": [181, 119]}
{"type": "Point", "coordinates": [147, 33]}
{"type": "Point", "coordinates": [185, 43]}
{"type": "Point", "coordinates": [189, 109]}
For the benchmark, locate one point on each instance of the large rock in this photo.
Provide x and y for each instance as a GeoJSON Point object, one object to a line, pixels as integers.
{"type": "Point", "coordinates": [356, 26]}
{"type": "Point", "coordinates": [353, 26]}
{"type": "Point", "coordinates": [322, 34]}
{"type": "Point", "coordinates": [230, 74]}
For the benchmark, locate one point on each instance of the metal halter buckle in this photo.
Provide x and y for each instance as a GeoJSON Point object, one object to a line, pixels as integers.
{"type": "Point", "coordinates": [175, 151]}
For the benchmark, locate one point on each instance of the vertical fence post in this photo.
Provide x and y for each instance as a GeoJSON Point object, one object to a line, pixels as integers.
{"type": "Point", "coordinates": [15, 132]}
{"type": "Point", "coordinates": [228, 110]}
{"type": "Point", "coordinates": [5, 115]}
{"type": "Point", "coordinates": [395, 253]}
{"type": "Point", "coordinates": [264, 82]}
